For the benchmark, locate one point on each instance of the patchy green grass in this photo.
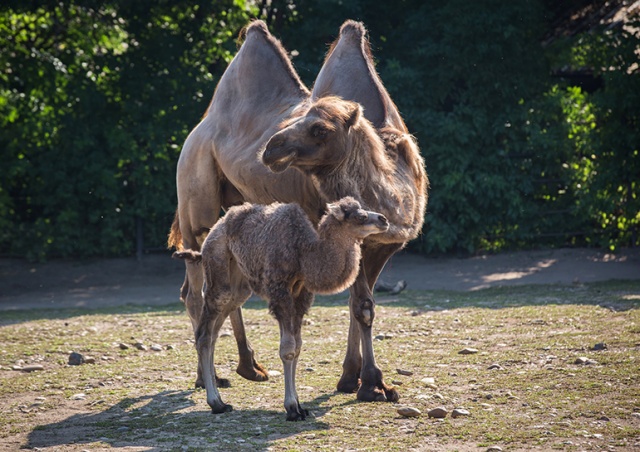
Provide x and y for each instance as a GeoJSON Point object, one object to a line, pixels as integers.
{"type": "Point", "coordinates": [143, 399]}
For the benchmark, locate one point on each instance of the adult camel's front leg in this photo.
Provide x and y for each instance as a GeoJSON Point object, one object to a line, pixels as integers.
{"type": "Point", "coordinates": [359, 368]}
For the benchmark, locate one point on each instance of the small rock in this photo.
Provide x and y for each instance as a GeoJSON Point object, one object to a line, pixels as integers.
{"type": "Point", "coordinates": [379, 337]}
{"type": "Point", "coordinates": [171, 347]}
{"type": "Point", "coordinates": [438, 413]}
{"type": "Point", "coordinates": [75, 359]}
{"type": "Point", "coordinates": [468, 351]}
{"type": "Point", "coordinates": [636, 415]}
{"type": "Point", "coordinates": [438, 396]}
{"type": "Point", "coordinates": [459, 412]}
{"type": "Point", "coordinates": [225, 334]}
{"type": "Point", "coordinates": [140, 346]}
{"type": "Point", "coordinates": [604, 418]}
{"type": "Point", "coordinates": [495, 366]}
{"type": "Point", "coordinates": [156, 348]}
{"type": "Point", "coordinates": [584, 361]}
{"type": "Point", "coordinates": [409, 411]}
{"type": "Point", "coordinates": [274, 373]}
{"type": "Point", "coordinates": [32, 368]}
{"type": "Point", "coordinates": [494, 449]}
{"type": "Point", "coordinates": [16, 367]}
{"type": "Point", "coordinates": [89, 360]}
{"type": "Point", "coordinates": [488, 396]}
{"type": "Point", "coordinates": [79, 396]}
{"type": "Point", "coordinates": [307, 322]}
{"type": "Point", "coordinates": [428, 380]}
{"type": "Point", "coordinates": [599, 346]}
{"type": "Point", "coordinates": [396, 382]}
{"type": "Point", "coordinates": [407, 373]}
{"type": "Point", "coordinates": [123, 346]}
{"type": "Point", "coordinates": [310, 369]}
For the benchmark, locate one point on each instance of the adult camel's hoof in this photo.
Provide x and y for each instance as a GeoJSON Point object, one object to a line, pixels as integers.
{"type": "Point", "coordinates": [219, 409]}
{"type": "Point", "coordinates": [254, 373]}
{"type": "Point", "coordinates": [384, 393]}
{"type": "Point", "coordinates": [199, 383]}
{"type": "Point", "coordinates": [348, 384]}
{"type": "Point", "coordinates": [297, 415]}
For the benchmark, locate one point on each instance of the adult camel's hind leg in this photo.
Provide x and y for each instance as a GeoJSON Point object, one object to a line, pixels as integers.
{"type": "Point", "coordinates": [360, 371]}
{"type": "Point", "coordinates": [199, 202]}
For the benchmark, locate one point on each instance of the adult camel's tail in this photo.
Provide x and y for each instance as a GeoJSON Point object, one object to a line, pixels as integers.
{"type": "Point", "coordinates": [175, 236]}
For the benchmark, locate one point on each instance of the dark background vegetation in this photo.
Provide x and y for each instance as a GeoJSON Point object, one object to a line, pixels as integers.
{"type": "Point", "coordinates": [527, 113]}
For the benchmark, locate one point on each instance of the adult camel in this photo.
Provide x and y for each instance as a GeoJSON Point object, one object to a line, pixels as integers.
{"type": "Point", "coordinates": [235, 154]}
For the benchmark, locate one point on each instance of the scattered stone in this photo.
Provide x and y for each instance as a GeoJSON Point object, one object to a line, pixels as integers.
{"type": "Point", "coordinates": [79, 396]}
{"type": "Point", "coordinates": [428, 380]}
{"type": "Point", "coordinates": [156, 348]}
{"type": "Point", "coordinates": [599, 346]}
{"type": "Point", "coordinates": [274, 373]}
{"type": "Point", "coordinates": [604, 418]}
{"type": "Point", "coordinates": [407, 373]}
{"type": "Point", "coordinates": [459, 412]}
{"type": "Point", "coordinates": [636, 415]}
{"type": "Point", "coordinates": [307, 322]}
{"type": "Point", "coordinates": [389, 336]}
{"type": "Point", "coordinates": [171, 347]}
{"type": "Point", "coordinates": [488, 396]}
{"type": "Point", "coordinates": [584, 361]}
{"type": "Point", "coordinates": [438, 413]}
{"type": "Point", "coordinates": [495, 366]}
{"type": "Point", "coordinates": [409, 411]}
{"type": "Point", "coordinates": [494, 449]}
{"type": "Point", "coordinates": [396, 382]}
{"type": "Point", "coordinates": [32, 368]}
{"type": "Point", "coordinates": [310, 369]}
{"type": "Point", "coordinates": [75, 359]}
{"type": "Point", "coordinates": [123, 346]}
{"type": "Point", "coordinates": [140, 346]}
{"type": "Point", "coordinates": [468, 351]}
{"type": "Point", "coordinates": [89, 360]}
{"type": "Point", "coordinates": [225, 334]}
{"type": "Point", "coordinates": [379, 337]}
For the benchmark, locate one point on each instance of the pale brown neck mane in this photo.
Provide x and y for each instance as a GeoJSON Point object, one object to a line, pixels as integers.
{"type": "Point", "coordinates": [382, 169]}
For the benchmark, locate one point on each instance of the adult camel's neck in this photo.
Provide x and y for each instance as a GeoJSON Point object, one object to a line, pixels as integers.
{"type": "Point", "coordinates": [331, 263]}
{"type": "Point", "coordinates": [377, 182]}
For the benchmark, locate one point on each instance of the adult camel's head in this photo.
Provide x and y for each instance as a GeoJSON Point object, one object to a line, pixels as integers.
{"type": "Point", "coordinates": [315, 141]}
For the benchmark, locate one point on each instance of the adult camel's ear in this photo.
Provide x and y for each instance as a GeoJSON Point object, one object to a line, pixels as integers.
{"type": "Point", "coordinates": [348, 71]}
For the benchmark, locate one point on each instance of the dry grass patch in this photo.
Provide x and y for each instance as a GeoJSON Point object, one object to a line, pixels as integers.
{"type": "Point", "coordinates": [143, 399]}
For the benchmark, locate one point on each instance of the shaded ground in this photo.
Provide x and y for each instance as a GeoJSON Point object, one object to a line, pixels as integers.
{"type": "Point", "coordinates": [157, 278]}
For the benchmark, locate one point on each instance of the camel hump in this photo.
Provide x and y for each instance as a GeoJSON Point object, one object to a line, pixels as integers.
{"type": "Point", "coordinates": [255, 26]}
{"type": "Point", "coordinates": [349, 72]}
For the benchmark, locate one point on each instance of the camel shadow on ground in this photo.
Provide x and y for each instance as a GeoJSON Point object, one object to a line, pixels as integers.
{"type": "Point", "coordinates": [167, 421]}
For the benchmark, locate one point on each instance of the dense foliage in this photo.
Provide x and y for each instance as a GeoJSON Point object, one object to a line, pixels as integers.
{"type": "Point", "coordinates": [96, 99]}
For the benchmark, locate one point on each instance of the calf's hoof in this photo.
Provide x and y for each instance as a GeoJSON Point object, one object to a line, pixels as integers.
{"type": "Point", "coordinates": [223, 408]}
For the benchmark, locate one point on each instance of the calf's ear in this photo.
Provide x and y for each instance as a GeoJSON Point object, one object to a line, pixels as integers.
{"type": "Point", "coordinates": [335, 210]}
{"type": "Point", "coordinates": [355, 110]}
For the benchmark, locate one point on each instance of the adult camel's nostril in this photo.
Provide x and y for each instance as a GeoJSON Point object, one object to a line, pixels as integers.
{"type": "Point", "coordinates": [383, 220]}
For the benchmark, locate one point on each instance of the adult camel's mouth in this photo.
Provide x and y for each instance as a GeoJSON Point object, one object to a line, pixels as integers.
{"type": "Point", "coordinates": [278, 159]}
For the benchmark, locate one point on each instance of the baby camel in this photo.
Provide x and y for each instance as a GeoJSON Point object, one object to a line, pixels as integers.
{"type": "Point", "coordinates": [275, 251]}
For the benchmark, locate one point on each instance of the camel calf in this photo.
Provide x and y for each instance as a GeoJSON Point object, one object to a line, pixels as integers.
{"type": "Point", "coordinates": [275, 252]}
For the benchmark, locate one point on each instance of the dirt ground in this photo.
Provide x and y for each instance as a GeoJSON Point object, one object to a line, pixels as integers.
{"type": "Point", "coordinates": [156, 279]}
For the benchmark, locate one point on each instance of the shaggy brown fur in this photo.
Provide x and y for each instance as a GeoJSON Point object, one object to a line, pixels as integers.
{"type": "Point", "coordinates": [275, 252]}
{"type": "Point", "coordinates": [363, 152]}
